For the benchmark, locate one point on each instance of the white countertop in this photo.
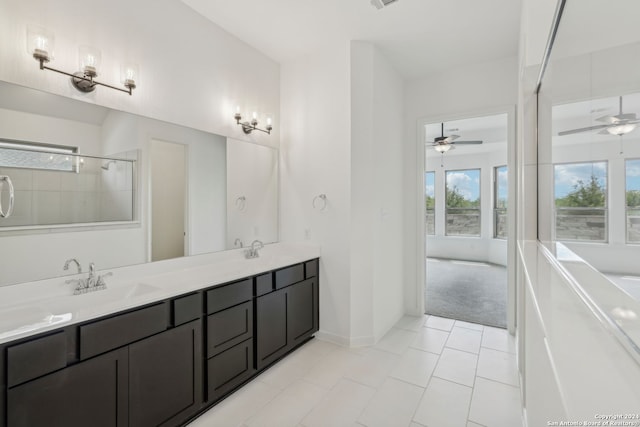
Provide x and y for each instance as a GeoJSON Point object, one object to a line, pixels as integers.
{"type": "Point", "coordinates": [34, 307]}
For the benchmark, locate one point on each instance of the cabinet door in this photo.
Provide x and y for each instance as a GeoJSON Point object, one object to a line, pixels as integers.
{"type": "Point", "coordinates": [165, 376]}
{"type": "Point", "coordinates": [271, 327]}
{"type": "Point", "coordinates": [91, 393]}
{"type": "Point", "coordinates": [302, 311]}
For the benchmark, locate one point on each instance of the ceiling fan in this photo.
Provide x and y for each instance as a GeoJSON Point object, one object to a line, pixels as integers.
{"type": "Point", "coordinates": [620, 124]}
{"type": "Point", "coordinates": [442, 143]}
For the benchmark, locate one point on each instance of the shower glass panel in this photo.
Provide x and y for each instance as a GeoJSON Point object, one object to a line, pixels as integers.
{"type": "Point", "coordinates": [62, 188]}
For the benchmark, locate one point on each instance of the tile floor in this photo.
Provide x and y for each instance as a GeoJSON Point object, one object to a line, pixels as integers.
{"type": "Point", "coordinates": [427, 371]}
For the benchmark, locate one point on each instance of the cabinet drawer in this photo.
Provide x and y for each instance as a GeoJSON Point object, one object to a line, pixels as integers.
{"type": "Point", "coordinates": [186, 309]}
{"type": "Point", "coordinates": [107, 334]}
{"type": "Point", "coordinates": [311, 269]}
{"type": "Point", "coordinates": [264, 284]}
{"type": "Point", "coordinates": [35, 358]}
{"type": "Point", "coordinates": [229, 369]}
{"type": "Point", "coordinates": [229, 295]}
{"type": "Point", "coordinates": [229, 327]}
{"type": "Point", "coordinates": [289, 276]}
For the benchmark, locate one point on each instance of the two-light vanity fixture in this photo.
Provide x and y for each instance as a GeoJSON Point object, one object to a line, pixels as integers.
{"type": "Point", "coordinates": [40, 44]}
{"type": "Point", "coordinates": [249, 127]}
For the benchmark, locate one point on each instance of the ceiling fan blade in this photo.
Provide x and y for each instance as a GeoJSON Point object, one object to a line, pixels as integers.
{"type": "Point", "coordinates": [453, 137]}
{"type": "Point", "coordinates": [587, 129]}
{"type": "Point", "coordinates": [467, 142]}
{"type": "Point", "coordinates": [608, 119]}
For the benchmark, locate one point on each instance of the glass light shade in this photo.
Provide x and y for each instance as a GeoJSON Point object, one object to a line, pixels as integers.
{"type": "Point", "coordinates": [40, 43]}
{"type": "Point", "coordinates": [442, 148]}
{"type": "Point", "coordinates": [90, 59]}
{"type": "Point", "coordinates": [129, 75]}
{"type": "Point", "coordinates": [621, 129]}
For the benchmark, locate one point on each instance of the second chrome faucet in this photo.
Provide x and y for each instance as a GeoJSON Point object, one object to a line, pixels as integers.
{"type": "Point", "coordinates": [87, 284]}
{"type": "Point", "coordinates": [252, 252]}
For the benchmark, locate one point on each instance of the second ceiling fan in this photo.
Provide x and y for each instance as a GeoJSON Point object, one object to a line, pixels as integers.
{"type": "Point", "coordinates": [442, 143]}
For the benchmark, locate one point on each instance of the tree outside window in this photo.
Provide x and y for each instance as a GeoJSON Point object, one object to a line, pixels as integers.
{"type": "Point", "coordinates": [462, 199]}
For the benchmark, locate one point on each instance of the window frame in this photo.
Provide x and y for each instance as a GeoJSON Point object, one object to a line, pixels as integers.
{"type": "Point", "coordinates": [496, 209]}
{"type": "Point", "coordinates": [605, 209]}
{"type": "Point", "coordinates": [479, 208]}
{"type": "Point", "coordinates": [433, 211]}
{"type": "Point", "coordinates": [626, 207]}
{"type": "Point", "coordinates": [38, 147]}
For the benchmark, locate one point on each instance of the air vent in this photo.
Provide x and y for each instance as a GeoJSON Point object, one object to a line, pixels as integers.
{"type": "Point", "coordinates": [379, 4]}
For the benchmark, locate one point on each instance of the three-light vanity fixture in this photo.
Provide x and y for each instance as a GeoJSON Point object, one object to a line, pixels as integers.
{"type": "Point", "coordinates": [40, 44]}
{"type": "Point", "coordinates": [249, 127]}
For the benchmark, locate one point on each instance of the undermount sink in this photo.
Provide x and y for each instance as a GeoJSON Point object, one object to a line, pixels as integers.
{"type": "Point", "coordinates": [120, 292]}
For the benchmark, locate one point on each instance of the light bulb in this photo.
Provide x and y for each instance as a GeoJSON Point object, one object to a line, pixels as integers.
{"type": "Point", "coordinates": [129, 75]}
{"type": "Point", "coordinates": [442, 148]}
{"type": "Point", "coordinates": [254, 120]}
{"type": "Point", "coordinates": [89, 60]}
{"type": "Point", "coordinates": [621, 129]}
{"type": "Point", "coordinates": [40, 43]}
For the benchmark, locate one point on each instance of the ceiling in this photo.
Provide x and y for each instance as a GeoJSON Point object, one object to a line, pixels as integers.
{"type": "Point", "coordinates": [419, 37]}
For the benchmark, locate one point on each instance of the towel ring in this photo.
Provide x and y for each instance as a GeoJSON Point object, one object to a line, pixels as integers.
{"type": "Point", "coordinates": [320, 201]}
{"type": "Point", "coordinates": [3, 179]}
{"type": "Point", "coordinates": [241, 203]}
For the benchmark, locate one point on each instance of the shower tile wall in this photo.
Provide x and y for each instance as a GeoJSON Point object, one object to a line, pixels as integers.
{"type": "Point", "coordinates": [60, 197]}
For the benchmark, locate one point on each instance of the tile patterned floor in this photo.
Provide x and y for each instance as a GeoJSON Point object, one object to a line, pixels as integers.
{"type": "Point", "coordinates": [427, 371]}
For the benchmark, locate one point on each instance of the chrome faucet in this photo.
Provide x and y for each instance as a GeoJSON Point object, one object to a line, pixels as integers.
{"type": "Point", "coordinates": [69, 261]}
{"type": "Point", "coordinates": [238, 242]}
{"type": "Point", "coordinates": [252, 252]}
{"type": "Point", "coordinates": [90, 283]}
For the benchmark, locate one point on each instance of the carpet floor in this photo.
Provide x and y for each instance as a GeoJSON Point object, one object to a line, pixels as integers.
{"type": "Point", "coordinates": [470, 291]}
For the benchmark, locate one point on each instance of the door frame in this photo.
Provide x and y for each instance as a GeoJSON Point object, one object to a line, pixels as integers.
{"type": "Point", "coordinates": [420, 250]}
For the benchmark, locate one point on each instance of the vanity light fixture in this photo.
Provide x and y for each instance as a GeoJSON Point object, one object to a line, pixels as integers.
{"type": "Point", "coordinates": [40, 45]}
{"type": "Point", "coordinates": [249, 127]}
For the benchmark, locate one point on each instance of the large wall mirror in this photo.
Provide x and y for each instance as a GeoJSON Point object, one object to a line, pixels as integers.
{"type": "Point", "coordinates": [117, 189]}
{"type": "Point", "coordinates": [589, 154]}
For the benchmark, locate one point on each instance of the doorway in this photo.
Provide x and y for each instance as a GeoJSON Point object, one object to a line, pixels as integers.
{"type": "Point", "coordinates": [167, 162]}
{"type": "Point", "coordinates": [467, 228]}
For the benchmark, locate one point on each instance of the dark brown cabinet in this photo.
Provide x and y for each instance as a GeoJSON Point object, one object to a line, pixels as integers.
{"type": "Point", "coordinates": [91, 393]}
{"type": "Point", "coordinates": [161, 364]}
{"type": "Point", "coordinates": [284, 319]}
{"type": "Point", "coordinates": [271, 327]}
{"type": "Point", "coordinates": [165, 376]}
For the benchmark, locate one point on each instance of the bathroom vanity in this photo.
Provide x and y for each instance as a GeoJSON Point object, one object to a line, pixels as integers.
{"type": "Point", "coordinates": [194, 334]}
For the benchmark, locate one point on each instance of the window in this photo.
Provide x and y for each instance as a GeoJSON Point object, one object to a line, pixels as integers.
{"type": "Point", "coordinates": [430, 202]}
{"type": "Point", "coordinates": [500, 193]}
{"type": "Point", "coordinates": [633, 200]}
{"type": "Point", "coordinates": [581, 201]}
{"type": "Point", "coordinates": [462, 191]}
{"type": "Point", "coordinates": [30, 155]}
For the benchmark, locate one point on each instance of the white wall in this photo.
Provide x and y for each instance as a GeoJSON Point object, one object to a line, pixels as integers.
{"type": "Point", "coordinates": [194, 75]}
{"type": "Point", "coordinates": [458, 93]}
{"type": "Point", "coordinates": [315, 158]}
{"type": "Point", "coordinates": [343, 139]}
{"type": "Point", "coordinates": [222, 72]}
{"type": "Point", "coordinates": [376, 193]}
{"type": "Point", "coordinates": [483, 248]}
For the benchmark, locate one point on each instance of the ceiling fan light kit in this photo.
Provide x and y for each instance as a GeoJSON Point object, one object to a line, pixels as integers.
{"type": "Point", "coordinates": [618, 125]}
{"type": "Point", "coordinates": [442, 143]}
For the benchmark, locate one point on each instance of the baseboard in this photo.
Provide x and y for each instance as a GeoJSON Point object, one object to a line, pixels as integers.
{"type": "Point", "coordinates": [345, 341]}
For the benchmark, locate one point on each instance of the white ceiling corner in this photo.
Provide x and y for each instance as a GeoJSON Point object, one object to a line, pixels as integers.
{"type": "Point", "coordinates": [419, 37]}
